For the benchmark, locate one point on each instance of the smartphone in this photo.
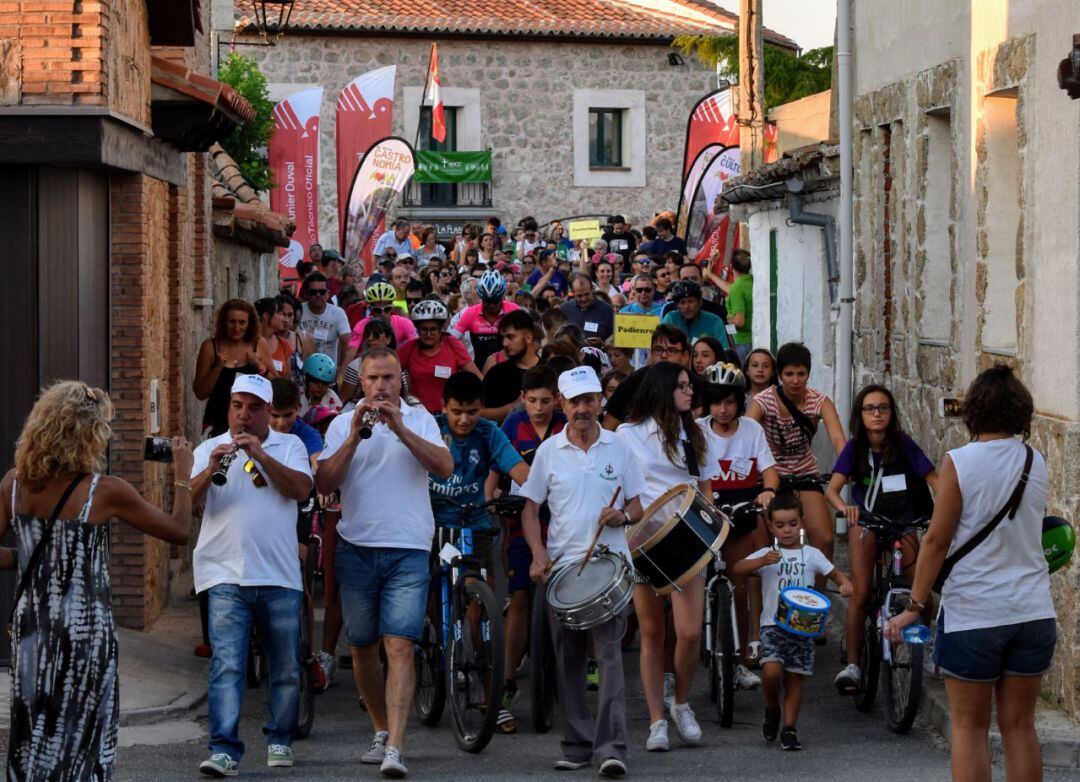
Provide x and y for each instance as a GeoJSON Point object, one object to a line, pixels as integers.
{"type": "Point", "coordinates": [157, 449]}
{"type": "Point", "coordinates": [949, 407]}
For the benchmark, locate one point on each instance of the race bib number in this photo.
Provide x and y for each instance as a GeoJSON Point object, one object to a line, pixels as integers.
{"type": "Point", "coordinates": [590, 326]}
{"type": "Point", "coordinates": [278, 365]}
{"type": "Point", "coordinates": [320, 334]}
{"type": "Point", "coordinates": [891, 483]}
{"type": "Point", "coordinates": [741, 467]}
{"type": "Point", "coordinates": [442, 372]}
{"type": "Point", "coordinates": [731, 329]}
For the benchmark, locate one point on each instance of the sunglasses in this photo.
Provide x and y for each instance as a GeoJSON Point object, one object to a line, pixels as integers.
{"type": "Point", "coordinates": [414, 301]}
{"type": "Point", "coordinates": [317, 291]}
{"type": "Point", "coordinates": [377, 309]}
{"type": "Point", "coordinates": [256, 477]}
{"type": "Point", "coordinates": [642, 290]}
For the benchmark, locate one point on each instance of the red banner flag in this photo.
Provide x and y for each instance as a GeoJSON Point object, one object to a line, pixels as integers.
{"type": "Point", "coordinates": [434, 96]}
{"type": "Point", "coordinates": [365, 114]}
{"type": "Point", "coordinates": [293, 154]}
{"type": "Point", "coordinates": [712, 121]}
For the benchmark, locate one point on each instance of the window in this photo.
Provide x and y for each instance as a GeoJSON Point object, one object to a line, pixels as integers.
{"type": "Point", "coordinates": [438, 194]}
{"type": "Point", "coordinates": [605, 138]}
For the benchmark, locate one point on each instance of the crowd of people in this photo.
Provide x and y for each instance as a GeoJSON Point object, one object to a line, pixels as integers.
{"type": "Point", "coordinates": [490, 365]}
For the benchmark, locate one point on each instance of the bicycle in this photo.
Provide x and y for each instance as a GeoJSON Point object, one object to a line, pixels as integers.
{"type": "Point", "coordinates": [460, 652]}
{"type": "Point", "coordinates": [720, 631]}
{"type": "Point", "coordinates": [903, 662]}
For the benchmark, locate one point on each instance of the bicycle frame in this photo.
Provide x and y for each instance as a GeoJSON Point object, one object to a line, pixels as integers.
{"type": "Point", "coordinates": [451, 574]}
{"type": "Point", "coordinates": [710, 586]}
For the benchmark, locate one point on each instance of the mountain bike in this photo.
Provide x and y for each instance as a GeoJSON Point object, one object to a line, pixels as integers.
{"type": "Point", "coordinates": [901, 663]}
{"type": "Point", "coordinates": [460, 653]}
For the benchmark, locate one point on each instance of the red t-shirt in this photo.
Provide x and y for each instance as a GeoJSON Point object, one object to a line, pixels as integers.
{"type": "Point", "coordinates": [356, 313]}
{"type": "Point", "coordinates": [428, 374]}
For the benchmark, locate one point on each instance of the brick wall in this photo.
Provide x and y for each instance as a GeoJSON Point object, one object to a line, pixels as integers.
{"type": "Point", "coordinates": [76, 52]}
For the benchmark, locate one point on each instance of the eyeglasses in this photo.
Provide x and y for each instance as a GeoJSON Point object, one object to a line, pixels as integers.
{"type": "Point", "coordinates": [878, 409]}
{"type": "Point", "coordinates": [317, 291]}
{"type": "Point", "coordinates": [684, 386]}
{"type": "Point", "coordinates": [662, 350]}
{"type": "Point", "coordinates": [642, 290]}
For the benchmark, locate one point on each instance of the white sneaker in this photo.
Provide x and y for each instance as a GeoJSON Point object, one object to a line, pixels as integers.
{"type": "Point", "coordinates": [847, 681]}
{"type": "Point", "coordinates": [669, 690]}
{"type": "Point", "coordinates": [685, 724]}
{"type": "Point", "coordinates": [658, 740]}
{"type": "Point", "coordinates": [745, 679]}
{"type": "Point", "coordinates": [378, 749]}
{"type": "Point", "coordinates": [393, 764]}
{"type": "Point", "coordinates": [329, 666]}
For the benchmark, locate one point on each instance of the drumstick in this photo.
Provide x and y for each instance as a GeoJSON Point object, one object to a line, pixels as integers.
{"type": "Point", "coordinates": [552, 563]}
{"type": "Point", "coordinates": [599, 529]}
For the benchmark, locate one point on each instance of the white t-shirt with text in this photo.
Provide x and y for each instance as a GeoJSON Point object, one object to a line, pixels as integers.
{"type": "Point", "coordinates": [325, 328]}
{"type": "Point", "coordinates": [797, 567]}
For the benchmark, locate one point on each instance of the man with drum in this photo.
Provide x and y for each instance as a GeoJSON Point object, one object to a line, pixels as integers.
{"type": "Point", "coordinates": [380, 455]}
{"type": "Point", "coordinates": [591, 485]}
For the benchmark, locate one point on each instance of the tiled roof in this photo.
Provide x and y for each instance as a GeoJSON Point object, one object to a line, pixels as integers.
{"type": "Point", "coordinates": [817, 165]}
{"type": "Point", "coordinates": [612, 19]}
{"type": "Point", "coordinates": [238, 212]}
{"type": "Point", "coordinates": [177, 76]}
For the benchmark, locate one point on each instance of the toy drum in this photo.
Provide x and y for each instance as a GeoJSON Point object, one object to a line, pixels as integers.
{"type": "Point", "coordinates": [802, 612]}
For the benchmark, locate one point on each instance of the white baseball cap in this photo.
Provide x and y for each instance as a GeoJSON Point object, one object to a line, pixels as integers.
{"type": "Point", "coordinates": [256, 385]}
{"type": "Point", "coordinates": [577, 381]}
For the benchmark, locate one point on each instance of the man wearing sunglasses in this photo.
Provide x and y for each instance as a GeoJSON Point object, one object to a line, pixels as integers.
{"type": "Point", "coordinates": [326, 323]}
{"type": "Point", "coordinates": [246, 559]}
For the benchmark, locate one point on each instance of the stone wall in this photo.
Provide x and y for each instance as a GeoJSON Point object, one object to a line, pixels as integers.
{"type": "Point", "coordinates": [527, 94]}
{"type": "Point", "coordinates": [954, 240]}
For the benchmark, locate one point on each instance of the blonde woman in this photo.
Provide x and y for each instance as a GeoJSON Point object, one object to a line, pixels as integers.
{"type": "Point", "coordinates": [64, 707]}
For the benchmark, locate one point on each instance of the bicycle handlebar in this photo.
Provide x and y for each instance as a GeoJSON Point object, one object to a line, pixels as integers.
{"type": "Point", "coordinates": [877, 522]}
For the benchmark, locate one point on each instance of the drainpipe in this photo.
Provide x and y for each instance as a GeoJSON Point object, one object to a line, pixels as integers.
{"type": "Point", "coordinates": [826, 223]}
{"type": "Point", "coordinates": [844, 326]}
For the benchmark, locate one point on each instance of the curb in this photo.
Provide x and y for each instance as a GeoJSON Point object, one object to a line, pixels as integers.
{"type": "Point", "coordinates": [183, 706]}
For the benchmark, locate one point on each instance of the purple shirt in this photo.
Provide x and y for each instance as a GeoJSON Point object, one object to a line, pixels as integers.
{"type": "Point", "coordinates": [912, 464]}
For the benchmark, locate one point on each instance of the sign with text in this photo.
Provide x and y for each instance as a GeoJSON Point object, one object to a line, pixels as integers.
{"type": "Point", "coordinates": [437, 167]}
{"type": "Point", "coordinates": [293, 154]}
{"type": "Point", "coordinates": [635, 331]}
{"type": "Point", "coordinates": [585, 229]}
{"type": "Point", "coordinates": [380, 178]}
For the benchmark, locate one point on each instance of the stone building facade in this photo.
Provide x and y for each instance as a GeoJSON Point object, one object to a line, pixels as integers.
{"type": "Point", "coordinates": [522, 87]}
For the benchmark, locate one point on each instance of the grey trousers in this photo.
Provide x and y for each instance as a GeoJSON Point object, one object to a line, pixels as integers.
{"type": "Point", "coordinates": [585, 738]}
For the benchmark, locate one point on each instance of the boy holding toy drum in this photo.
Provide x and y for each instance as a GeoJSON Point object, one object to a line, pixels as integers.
{"type": "Point", "coordinates": [787, 641]}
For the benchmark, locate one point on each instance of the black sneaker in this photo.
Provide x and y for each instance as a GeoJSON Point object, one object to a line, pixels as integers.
{"type": "Point", "coordinates": [789, 740]}
{"type": "Point", "coordinates": [770, 726]}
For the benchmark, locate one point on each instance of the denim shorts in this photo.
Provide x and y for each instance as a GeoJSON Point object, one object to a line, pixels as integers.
{"type": "Point", "coordinates": [383, 591]}
{"type": "Point", "coordinates": [793, 652]}
{"type": "Point", "coordinates": [988, 653]}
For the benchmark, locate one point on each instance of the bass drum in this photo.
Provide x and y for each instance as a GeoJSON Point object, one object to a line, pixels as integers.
{"type": "Point", "coordinates": [678, 534]}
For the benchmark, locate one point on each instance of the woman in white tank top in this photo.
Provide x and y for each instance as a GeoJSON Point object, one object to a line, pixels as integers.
{"type": "Point", "coordinates": [997, 625]}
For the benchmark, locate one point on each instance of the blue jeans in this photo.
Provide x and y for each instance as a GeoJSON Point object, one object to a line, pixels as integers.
{"type": "Point", "coordinates": [233, 611]}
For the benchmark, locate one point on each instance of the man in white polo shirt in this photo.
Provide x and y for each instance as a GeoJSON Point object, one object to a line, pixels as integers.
{"type": "Point", "coordinates": [385, 532]}
{"type": "Point", "coordinates": [247, 559]}
{"type": "Point", "coordinates": [577, 472]}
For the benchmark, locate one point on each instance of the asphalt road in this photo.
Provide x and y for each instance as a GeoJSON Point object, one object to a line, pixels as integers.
{"type": "Point", "coordinates": [839, 743]}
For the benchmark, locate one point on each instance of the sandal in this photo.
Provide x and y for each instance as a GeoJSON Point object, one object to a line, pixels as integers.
{"type": "Point", "coordinates": [506, 722]}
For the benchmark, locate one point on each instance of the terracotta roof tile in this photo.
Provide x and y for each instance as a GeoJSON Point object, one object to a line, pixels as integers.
{"type": "Point", "coordinates": [615, 19]}
{"type": "Point", "coordinates": [239, 214]}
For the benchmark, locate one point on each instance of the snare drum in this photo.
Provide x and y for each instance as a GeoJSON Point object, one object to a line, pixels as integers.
{"type": "Point", "coordinates": [598, 593]}
{"type": "Point", "coordinates": [678, 534]}
{"type": "Point", "coordinates": [802, 611]}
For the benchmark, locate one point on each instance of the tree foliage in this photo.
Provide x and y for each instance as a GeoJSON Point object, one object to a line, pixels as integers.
{"type": "Point", "coordinates": [787, 77]}
{"type": "Point", "coordinates": [246, 144]}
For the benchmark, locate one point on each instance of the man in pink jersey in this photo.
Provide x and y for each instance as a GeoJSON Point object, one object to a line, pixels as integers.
{"type": "Point", "coordinates": [481, 321]}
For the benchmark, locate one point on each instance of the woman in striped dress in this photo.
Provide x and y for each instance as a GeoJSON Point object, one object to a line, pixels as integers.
{"type": "Point", "coordinates": [64, 704]}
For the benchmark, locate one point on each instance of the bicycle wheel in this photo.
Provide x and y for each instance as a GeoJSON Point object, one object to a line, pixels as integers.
{"type": "Point", "coordinates": [869, 664]}
{"type": "Point", "coordinates": [306, 716]}
{"type": "Point", "coordinates": [903, 686]}
{"type": "Point", "coordinates": [310, 570]}
{"type": "Point", "coordinates": [542, 686]}
{"type": "Point", "coordinates": [430, 695]}
{"type": "Point", "coordinates": [474, 666]}
{"type": "Point", "coordinates": [256, 662]}
{"type": "Point", "coordinates": [723, 667]}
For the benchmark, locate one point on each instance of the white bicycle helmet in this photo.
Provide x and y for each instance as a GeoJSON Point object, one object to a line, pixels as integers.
{"type": "Point", "coordinates": [429, 309]}
{"type": "Point", "coordinates": [492, 286]}
{"type": "Point", "coordinates": [725, 374]}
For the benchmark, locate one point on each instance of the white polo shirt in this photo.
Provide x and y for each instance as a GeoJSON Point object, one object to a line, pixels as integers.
{"type": "Point", "coordinates": [643, 441]}
{"type": "Point", "coordinates": [384, 497]}
{"type": "Point", "coordinates": [248, 534]}
{"type": "Point", "coordinates": [577, 485]}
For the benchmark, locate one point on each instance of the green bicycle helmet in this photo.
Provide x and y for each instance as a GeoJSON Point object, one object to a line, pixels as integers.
{"type": "Point", "coordinates": [379, 293]}
{"type": "Point", "coordinates": [1058, 541]}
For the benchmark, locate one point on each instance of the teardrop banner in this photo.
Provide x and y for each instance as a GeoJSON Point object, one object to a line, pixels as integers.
{"type": "Point", "coordinates": [293, 155]}
{"type": "Point", "coordinates": [703, 219]}
{"type": "Point", "coordinates": [383, 174]}
{"type": "Point", "coordinates": [690, 186]}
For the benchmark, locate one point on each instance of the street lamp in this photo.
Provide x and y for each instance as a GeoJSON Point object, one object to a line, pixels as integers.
{"type": "Point", "coordinates": [272, 17]}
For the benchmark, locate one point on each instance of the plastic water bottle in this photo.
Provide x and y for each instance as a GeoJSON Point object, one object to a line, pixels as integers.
{"type": "Point", "coordinates": [916, 634]}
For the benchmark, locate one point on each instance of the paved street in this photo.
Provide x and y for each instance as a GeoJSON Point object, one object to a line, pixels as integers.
{"type": "Point", "coordinates": [839, 742]}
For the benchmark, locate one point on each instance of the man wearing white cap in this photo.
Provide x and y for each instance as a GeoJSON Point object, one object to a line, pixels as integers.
{"type": "Point", "coordinates": [247, 559]}
{"type": "Point", "coordinates": [577, 472]}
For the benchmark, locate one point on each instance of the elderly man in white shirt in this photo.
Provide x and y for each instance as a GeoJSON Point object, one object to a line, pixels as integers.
{"type": "Point", "coordinates": [250, 479]}
{"type": "Point", "coordinates": [385, 532]}
{"type": "Point", "coordinates": [397, 238]}
{"type": "Point", "coordinates": [577, 472]}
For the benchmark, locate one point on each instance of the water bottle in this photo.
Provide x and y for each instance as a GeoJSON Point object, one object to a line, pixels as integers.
{"type": "Point", "coordinates": [916, 634]}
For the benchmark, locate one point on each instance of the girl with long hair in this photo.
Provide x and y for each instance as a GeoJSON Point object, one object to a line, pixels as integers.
{"type": "Point", "coordinates": [670, 445]}
{"type": "Point", "coordinates": [889, 475]}
{"type": "Point", "coordinates": [760, 371]}
{"type": "Point", "coordinates": [64, 704]}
